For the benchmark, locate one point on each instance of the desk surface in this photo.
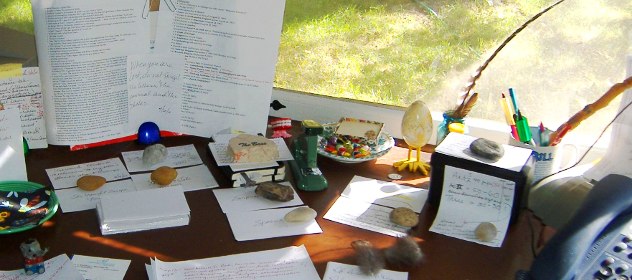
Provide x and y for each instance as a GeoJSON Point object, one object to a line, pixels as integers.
{"type": "Point", "coordinates": [209, 234]}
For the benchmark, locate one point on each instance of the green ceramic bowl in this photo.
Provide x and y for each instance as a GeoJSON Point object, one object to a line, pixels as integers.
{"type": "Point", "coordinates": [24, 186]}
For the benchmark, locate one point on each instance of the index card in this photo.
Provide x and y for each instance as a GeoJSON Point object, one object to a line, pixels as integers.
{"type": "Point", "coordinates": [94, 268]}
{"type": "Point", "coordinates": [338, 271]}
{"type": "Point", "coordinates": [178, 156]}
{"type": "Point", "coordinates": [76, 199]}
{"type": "Point", "coordinates": [67, 176]}
{"type": "Point", "coordinates": [289, 263]}
{"type": "Point", "coordinates": [386, 193]}
{"type": "Point", "coordinates": [12, 161]}
{"type": "Point", "coordinates": [25, 92]}
{"type": "Point", "coordinates": [154, 84]}
{"type": "Point", "coordinates": [364, 215]}
{"type": "Point", "coordinates": [458, 145]}
{"type": "Point", "coordinates": [267, 224]}
{"type": "Point", "coordinates": [219, 150]}
{"type": "Point", "coordinates": [192, 178]}
{"type": "Point", "coordinates": [245, 199]}
{"type": "Point", "coordinates": [470, 198]}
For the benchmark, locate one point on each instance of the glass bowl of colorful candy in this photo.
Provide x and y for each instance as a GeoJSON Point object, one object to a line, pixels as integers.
{"type": "Point", "coordinates": [348, 149]}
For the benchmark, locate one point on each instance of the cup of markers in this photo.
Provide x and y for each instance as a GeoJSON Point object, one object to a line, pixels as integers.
{"type": "Point", "coordinates": [548, 159]}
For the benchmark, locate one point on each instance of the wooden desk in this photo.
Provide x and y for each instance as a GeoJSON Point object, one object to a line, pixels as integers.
{"type": "Point", "coordinates": [209, 234]}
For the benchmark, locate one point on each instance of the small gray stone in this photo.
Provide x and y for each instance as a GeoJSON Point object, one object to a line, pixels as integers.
{"type": "Point", "coordinates": [275, 191]}
{"type": "Point", "coordinates": [154, 154]}
{"type": "Point", "coordinates": [300, 215]}
{"type": "Point", "coordinates": [487, 149]}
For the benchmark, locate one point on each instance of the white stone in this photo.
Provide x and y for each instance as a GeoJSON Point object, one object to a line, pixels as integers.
{"type": "Point", "coordinates": [300, 215]}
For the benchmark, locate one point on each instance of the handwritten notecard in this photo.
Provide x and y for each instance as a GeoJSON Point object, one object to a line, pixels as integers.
{"type": "Point", "coordinates": [67, 176]}
{"type": "Point", "coordinates": [219, 150]}
{"type": "Point", "coordinates": [12, 161]}
{"type": "Point", "coordinates": [192, 178]}
{"type": "Point", "coordinates": [154, 84]}
{"type": "Point", "coordinates": [470, 198]}
{"type": "Point", "coordinates": [93, 268]}
{"type": "Point", "coordinates": [178, 156]}
{"type": "Point", "coordinates": [267, 223]}
{"type": "Point", "coordinates": [59, 267]}
{"type": "Point", "coordinates": [289, 263]}
{"type": "Point", "coordinates": [245, 199]}
{"type": "Point", "coordinates": [76, 199]}
{"type": "Point", "coordinates": [25, 92]}
{"type": "Point", "coordinates": [386, 193]}
{"type": "Point", "coordinates": [361, 214]}
{"type": "Point", "coordinates": [340, 271]}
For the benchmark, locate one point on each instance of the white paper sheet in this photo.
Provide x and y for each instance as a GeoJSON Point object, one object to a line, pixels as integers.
{"type": "Point", "coordinates": [178, 156]}
{"type": "Point", "coordinates": [267, 223]}
{"type": "Point", "coordinates": [340, 271]}
{"type": "Point", "coordinates": [94, 268]}
{"type": "Point", "coordinates": [59, 267]}
{"type": "Point", "coordinates": [82, 48]}
{"type": "Point", "coordinates": [12, 161]}
{"type": "Point", "coordinates": [245, 199]}
{"type": "Point", "coordinates": [76, 199]}
{"type": "Point", "coordinates": [361, 214]}
{"type": "Point", "coordinates": [458, 145]}
{"type": "Point", "coordinates": [470, 198]}
{"type": "Point", "coordinates": [230, 60]}
{"type": "Point", "coordinates": [25, 92]}
{"type": "Point", "coordinates": [386, 193]}
{"type": "Point", "coordinates": [192, 178]}
{"type": "Point", "coordinates": [154, 83]}
{"type": "Point", "coordinates": [219, 150]}
{"type": "Point", "coordinates": [289, 263]}
{"type": "Point", "coordinates": [67, 176]}
{"type": "Point", "coordinates": [618, 158]}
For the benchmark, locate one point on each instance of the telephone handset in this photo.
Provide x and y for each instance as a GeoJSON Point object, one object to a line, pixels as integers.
{"type": "Point", "coordinates": [596, 243]}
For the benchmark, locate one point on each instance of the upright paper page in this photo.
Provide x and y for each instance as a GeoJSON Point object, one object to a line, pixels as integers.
{"type": "Point", "coordinates": [231, 49]}
{"type": "Point", "coordinates": [12, 162]}
{"type": "Point", "coordinates": [25, 92]}
{"type": "Point", "coordinates": [82, 48]}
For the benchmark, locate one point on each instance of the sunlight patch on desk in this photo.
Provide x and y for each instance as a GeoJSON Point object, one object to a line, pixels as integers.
{"type": "Point", "coordinates": [122, 246]}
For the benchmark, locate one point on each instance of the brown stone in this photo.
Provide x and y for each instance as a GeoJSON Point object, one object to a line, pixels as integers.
{"type": "Point", "coordinates": [404, 216]}
{"type": "Point", "coordinates": [275, 191]}
{"type": "Point", "coordinates": [163, 175]}
{"type": "Point", "coordinates": [90, 182]}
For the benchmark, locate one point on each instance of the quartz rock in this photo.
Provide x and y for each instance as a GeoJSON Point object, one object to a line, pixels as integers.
{"type": "Point", "coordinates": [487, 149]}
{"type": "Point", "coordinates": [275, 191]}
{"type": "Point", "coordinates": [164, 175]}
{"type": "Point", "coordinates": [154, 154]}
{"type": "Point", "coordinates": [486, 232]}
{"type": "Point", "coordinates": [404, 216]}
{"type": "Point", "coordinates": [300, 215]}
{"type": "Point", "coordinates": [90, 182]}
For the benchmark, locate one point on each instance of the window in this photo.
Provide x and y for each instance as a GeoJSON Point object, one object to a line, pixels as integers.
{"type": "Point", "coordinates": [391, 53]}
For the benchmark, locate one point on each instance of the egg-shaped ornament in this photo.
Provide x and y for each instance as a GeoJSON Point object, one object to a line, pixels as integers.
{"type": "Point", "coordinates": [148, 133]}
{"type": "Point", "coordinates": [417, 125]}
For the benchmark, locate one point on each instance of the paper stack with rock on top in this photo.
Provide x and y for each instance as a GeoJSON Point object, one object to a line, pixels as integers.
{"type": "Point", "coordinates": [143, 210]}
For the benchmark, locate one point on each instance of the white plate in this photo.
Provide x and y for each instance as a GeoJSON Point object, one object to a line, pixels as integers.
{"type": "Point", "coordinates": [384, 143]}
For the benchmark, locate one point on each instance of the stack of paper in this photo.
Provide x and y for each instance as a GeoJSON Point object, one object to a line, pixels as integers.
{"type": "Point", "coordinates": [143, 210]}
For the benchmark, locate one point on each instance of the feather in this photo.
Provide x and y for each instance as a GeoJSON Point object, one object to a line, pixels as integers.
{"type": "Point", "coordinates": [370, 260]}
{"type": "Point", "coordinates": [404, 253]}
{"type": "Point", "coordinates": [466, 106]}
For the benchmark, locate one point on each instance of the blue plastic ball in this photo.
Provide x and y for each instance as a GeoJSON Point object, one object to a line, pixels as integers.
{"type": "Point", "coordinates": [148, 133]}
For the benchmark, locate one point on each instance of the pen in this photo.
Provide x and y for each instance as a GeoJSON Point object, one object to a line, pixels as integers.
{"type": "Point", "coordinates": [522, 124]}
{"type": "Point", "coordinates": [508, 116]}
